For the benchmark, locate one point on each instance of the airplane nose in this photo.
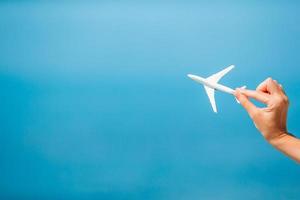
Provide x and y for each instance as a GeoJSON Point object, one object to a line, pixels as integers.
{"type": "Point", "coordinates": [194, 77]}
{"type": "Point", "coordinates": [191, 76]}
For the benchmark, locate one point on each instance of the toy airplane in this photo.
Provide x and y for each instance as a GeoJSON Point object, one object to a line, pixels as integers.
{"type": "Point", "coordinates": [211, 84]}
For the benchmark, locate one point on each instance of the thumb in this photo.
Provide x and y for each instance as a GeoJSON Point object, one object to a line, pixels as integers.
{"type": "Point", "coordinates": [248, 105]}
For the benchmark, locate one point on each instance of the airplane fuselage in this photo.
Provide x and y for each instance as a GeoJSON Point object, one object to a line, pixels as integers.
{"type": "Point", "coordinates": [215, 86]}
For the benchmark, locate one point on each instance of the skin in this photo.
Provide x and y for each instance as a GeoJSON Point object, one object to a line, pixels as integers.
{"type": "Point", "coordinates": [271, 120]}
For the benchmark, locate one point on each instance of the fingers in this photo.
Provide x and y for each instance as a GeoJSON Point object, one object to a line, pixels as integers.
{"type": "Point", "coordinates": [269, 86]}
{"type": "Point", "coordinates": [248, 105]}
{"type": "Point", "coordinates": [268, 92]}
{"type": "Point", "coordinates": [259, 96]}
{"type": "Point", "coordinates": [280, 87]}
{"type": "Point", "coordinates": [262, 87]}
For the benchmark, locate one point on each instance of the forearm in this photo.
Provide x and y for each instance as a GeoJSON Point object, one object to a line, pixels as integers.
{"type": "Point", "coordinates": [288, 144]}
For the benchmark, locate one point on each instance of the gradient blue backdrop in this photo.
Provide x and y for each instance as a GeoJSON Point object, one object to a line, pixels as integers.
{"type": "Point", "coordinates": [95, 102]}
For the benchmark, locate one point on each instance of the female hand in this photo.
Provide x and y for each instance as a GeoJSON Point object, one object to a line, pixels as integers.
{"type": "Point", "coordinates": [271, 120]}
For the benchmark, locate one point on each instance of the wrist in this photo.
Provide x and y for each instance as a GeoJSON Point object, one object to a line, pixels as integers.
{"type": "Point", "coordinates": [279, 138]}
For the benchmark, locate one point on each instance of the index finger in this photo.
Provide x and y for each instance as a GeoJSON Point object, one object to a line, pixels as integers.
{"type": "Point", "coordinates": [258, 95]}
{"type": "Point", "coordinates": [268, 86]}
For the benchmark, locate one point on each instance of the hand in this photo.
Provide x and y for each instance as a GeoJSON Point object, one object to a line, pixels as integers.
{"type": "Point", "coordinates": [270, 120]}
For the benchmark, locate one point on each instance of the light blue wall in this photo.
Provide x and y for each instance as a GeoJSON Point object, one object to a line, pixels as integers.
{"type": "Point", "coordinates": [95, 102]}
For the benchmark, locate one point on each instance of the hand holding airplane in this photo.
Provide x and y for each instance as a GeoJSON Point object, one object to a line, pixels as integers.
{"type": "Point", "coordinates": [269, 120]}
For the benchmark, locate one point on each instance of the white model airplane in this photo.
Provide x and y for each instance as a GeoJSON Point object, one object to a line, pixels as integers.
{"type": "Point", "coordinates": [211, 84]}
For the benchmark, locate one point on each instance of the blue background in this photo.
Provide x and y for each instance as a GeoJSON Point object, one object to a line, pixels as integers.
{"type": "Point", "coordinates": [95, 102]}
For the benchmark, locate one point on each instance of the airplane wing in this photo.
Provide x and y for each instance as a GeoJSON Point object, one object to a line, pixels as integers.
{"type": "Point", "coordinates": [216, 77]}
{"type": "Point", "coordinates": [211, 95]}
